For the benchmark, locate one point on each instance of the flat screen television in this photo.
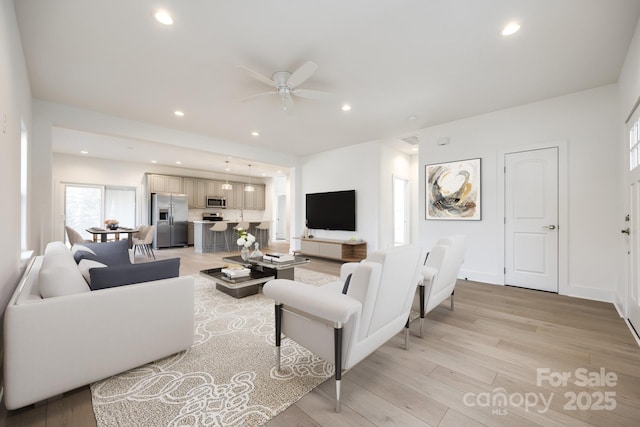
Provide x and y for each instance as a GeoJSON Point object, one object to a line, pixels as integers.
{"type": "Point", "coordinates": [335, 210]}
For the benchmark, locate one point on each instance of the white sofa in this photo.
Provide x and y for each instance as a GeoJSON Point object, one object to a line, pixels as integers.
{"type": "Point", "coordinates": [55, 344]}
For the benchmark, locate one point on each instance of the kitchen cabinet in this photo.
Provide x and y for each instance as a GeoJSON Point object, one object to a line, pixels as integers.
{"type": "Point", "coordinates": [190, 233]}
{"type": "Point", "coordinates": [164, 184]}
{"type": "Point", "coordinates": [195, 189]}
{"type": "Point", "coordinates": [213, 189]}
{"type": "Point", "coordinates": [255, 199]}
{"type": "Point", "coordinates": [237, 196]}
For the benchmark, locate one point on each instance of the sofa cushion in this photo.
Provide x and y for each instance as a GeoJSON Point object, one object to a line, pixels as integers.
{"type": "Point", "coordinates": [127, 274]}
{"type": "Point", "coordinates": [59, 274]}
{"type": "Point", "coordinates": [110, 253]}
{"type": "Point", "coordinates": [80, 248]}
{"type": "Point", "coordinates": [86, 265]}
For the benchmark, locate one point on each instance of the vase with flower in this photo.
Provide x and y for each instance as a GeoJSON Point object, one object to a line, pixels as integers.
{"type": "Point", "coordinates": [245, 239]}
{"type": "Point", "coordinates": [112, 224]}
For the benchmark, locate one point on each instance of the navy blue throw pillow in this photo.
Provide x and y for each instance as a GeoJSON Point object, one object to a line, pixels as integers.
{"type": "Point", "coordinates": [345, 288]}
{"type": "Point", "coordinates": [128, 274]}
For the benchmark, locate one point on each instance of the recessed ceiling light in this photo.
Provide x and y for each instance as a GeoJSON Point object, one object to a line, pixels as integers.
{"type": "Point", "coordinates": [154, 161]}
{"type": "Point", "coordinates": [163, 17]}
{"type": "Point", "coordinates": [179, 113]}
{"type": "Point", "coordinates": [346, 107]}
{"type": "Point", "coordinates": [411, 118]}
{"type": "Point", "coordinates": [84, 152]}
{"type": "Point", "coordinates": [255, 133]}
{"type": "Point", "coordinates": [510, 28]}
{"type": "Point", "coordinates": [178, 163]}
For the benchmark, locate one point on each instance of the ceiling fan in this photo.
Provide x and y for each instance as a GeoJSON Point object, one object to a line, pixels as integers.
{"type": "Point", "coordinates": [286, 84]}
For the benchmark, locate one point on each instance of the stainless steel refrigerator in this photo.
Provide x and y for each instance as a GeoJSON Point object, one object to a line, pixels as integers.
{"type": "Point", "coordinates": [169, 214]}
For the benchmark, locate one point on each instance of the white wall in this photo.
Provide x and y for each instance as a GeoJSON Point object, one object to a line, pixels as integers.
{"type": "Point", "coordinates": [367, 168]}
{"type": "Point", "coordinates": [590, 122]}
{"type": "Point", "coordinates": [15, 107]}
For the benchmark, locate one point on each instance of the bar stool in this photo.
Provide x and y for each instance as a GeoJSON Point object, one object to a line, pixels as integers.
{"type": "Point", "coordinates": [263, 229]}
{"type": "Point", "coordinates": [244, 225]}
{"type": "Point", "coordinates": [220, 227]}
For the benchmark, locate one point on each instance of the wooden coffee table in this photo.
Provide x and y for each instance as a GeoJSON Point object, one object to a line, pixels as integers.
{"type": "Point", "coordinates": [261, 273]}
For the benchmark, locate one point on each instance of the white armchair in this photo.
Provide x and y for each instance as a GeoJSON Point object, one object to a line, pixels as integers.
{"type": "Point", "coordinates": [440, 274]}
{"type": "Point", "coordinates": [344, 329]}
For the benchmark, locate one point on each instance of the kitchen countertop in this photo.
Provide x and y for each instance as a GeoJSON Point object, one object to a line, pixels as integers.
{"type": "Point", "coordinates": [230, 221]}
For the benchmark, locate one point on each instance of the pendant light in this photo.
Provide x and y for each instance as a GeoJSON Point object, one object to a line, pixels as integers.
{"type": "Point", "coordinates": [226, 185]}
{"type": "Point", "coordinates": [249, 187]}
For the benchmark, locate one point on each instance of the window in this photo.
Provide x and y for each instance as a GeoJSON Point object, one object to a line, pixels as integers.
{"type": "Point", "coordinates": [634, 139]}
{"type": "Point", "coordinates": [24, 161]}
{"type": "Point", "coordinates": [89, 205]}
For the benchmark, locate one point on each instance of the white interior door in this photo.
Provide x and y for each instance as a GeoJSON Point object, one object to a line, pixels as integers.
{"type": "Point", "coordinates": [633, 294]}
{"type": "Point", "coordinates": [531, 219]}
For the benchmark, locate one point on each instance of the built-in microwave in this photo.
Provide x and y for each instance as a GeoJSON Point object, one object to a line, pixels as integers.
{"type": "Point", "coordinates": [216, 202]}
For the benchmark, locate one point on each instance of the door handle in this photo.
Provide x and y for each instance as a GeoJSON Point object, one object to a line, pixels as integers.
{"type": "Point", "coordinates": [550, 227]}
{"type": "Point", "coordinates": [626, 231]}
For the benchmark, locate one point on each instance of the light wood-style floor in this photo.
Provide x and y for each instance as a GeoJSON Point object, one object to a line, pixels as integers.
{"type": "Point", "coordinates": [491, 346]}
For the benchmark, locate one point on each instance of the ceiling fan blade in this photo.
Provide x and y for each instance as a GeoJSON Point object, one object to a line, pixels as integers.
{"type": "Point", "coordinates": [287, 103]}
{"type": "Point", "coordinates": [312, 94]}
{"type": "Point", "coordinates": [258, 76]}
{"type": "Point", "coordinates": [302, 74]}
{"type": "Point", "coordinates": [258, 95]}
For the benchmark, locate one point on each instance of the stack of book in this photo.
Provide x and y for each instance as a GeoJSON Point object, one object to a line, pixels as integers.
{"type": "Point", "coordinates": [235, 273]}
{"type": "Point", "coordinates": [277, 257]}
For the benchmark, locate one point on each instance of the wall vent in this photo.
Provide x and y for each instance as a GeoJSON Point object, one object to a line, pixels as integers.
{"type": "Point", "coordinates": [411, 140]}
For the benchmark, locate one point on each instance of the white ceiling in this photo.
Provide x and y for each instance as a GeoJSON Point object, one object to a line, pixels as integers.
{"type": "Point", "coordinates": [437, 60]}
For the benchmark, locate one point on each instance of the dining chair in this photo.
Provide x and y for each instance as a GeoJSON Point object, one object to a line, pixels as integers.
{"type": "Point", "coordinates": [143, 240]}
{"type": "Point", "coordinates": [74, 237]}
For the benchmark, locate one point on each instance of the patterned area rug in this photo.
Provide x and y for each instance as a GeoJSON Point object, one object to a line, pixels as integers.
{"type": "Point", "coordinates": [227, 378]}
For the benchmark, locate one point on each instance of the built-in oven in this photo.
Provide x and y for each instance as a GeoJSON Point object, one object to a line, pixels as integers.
{"type": "Point", "coordinates": [216, 202]}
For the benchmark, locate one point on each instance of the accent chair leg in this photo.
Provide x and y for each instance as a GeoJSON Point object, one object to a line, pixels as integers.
{"type": "Point", "coordinates": [278, 315]}
{"type": "Point", "coordinates": [452, 294]}
{"type": "Point", "coordinates": [422, 298]}
{"type": "Point", "coordinates": [337, 342]}
{"type": "Point", "coordinates": [406, 335]}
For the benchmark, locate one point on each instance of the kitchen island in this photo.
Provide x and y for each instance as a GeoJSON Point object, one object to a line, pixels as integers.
{"type": "Point", "coordinates": [203, 236]}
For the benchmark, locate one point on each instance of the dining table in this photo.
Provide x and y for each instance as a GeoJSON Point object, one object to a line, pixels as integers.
{"type": "Point", "coordinates": [103, 233]}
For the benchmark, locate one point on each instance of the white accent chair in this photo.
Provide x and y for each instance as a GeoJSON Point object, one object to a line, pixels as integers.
{"type": "Point", "coordinates": [440, 274]}
{"type": "Point", "coordinates": [344, 329]}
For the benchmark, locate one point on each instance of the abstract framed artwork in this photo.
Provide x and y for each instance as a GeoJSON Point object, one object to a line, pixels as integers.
{"type": "Point", "coordinates": [453, 190]}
